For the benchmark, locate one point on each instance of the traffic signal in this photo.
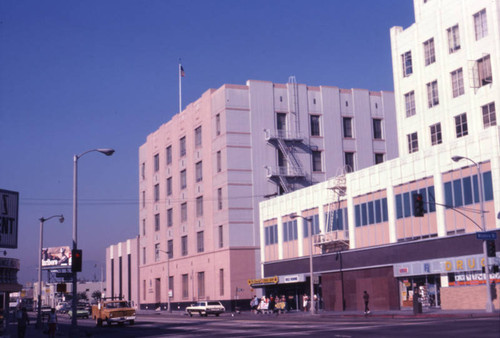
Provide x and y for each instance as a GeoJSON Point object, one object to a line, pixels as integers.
{"type": "Point", "coordinates": [418, 205]}
{"type": "Point", "coordinates": [490, 248]}
{"type": "Point", "coordinates": [76, 260]}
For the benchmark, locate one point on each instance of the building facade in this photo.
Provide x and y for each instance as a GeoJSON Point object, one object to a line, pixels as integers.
{"type": "Point", "coordinates": [365, 233]}
{"type": "Point", "coordinates": [203, 173]}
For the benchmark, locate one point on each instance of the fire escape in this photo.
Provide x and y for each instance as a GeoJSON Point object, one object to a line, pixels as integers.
{"type": "Point", "coordinates": [286, 141]}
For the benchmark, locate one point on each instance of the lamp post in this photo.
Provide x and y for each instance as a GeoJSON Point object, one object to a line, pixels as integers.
{"type": "Point", "coordinates": [339, 256]}
{"type": "Point", "coordinates": [39, 310]}
{"type": "Point", "coordinates": [169, 309]}
{"type": "Point", "coordinates": [489, 303]}
{"type": "Point", "coordinates": [311, 278]}
{"type": "Point", "coordinates": [107, 152]}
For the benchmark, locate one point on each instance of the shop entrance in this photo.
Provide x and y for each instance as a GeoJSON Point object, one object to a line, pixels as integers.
{"type": "Point", "coordinates": [427, 287]}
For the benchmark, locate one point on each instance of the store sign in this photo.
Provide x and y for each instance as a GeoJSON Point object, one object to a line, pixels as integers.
{"type": "Point", "coordinates": [438, 266]}
{"type": "Point", "coordinates": [292, 279]}
{"type": "Point", "coordinates": [263, 281]}
{"type": "Point", "coordinates": [9, 203]}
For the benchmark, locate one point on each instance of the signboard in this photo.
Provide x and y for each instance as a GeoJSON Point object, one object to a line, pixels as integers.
{"type": "Point", "coordinates": [486, 235]}
{"type": "Point", "coordinates": [9, 213]}
{"type": "Point", "coordinates": [263, 281]}
{"type": "Point", "coordinates": [292, 279]}
{"type": "Point", "coordinates": [56, 257]}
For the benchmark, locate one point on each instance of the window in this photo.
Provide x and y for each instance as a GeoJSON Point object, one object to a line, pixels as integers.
{"type": "Point", "coordinates": [184, 212]}
{"type": "Point", "coordinates": [489, 115]}
{"type": "Point", "coordinates": [379, 158]}
{"type": "Point", "coordinates": [169, 155]}
{"type": "Point", "coordinates": [436, 137]}
{"type": "Point", "coordinates": [412, 143]}
{"type": "Point", "coordinates": [457, 82]}
{"type": "Point", "coordinates": [461, 125]}
{"type": "Point", "coordinates": [453, 39]}
{"type": "Point", "coordinates": [347, 127]}
{"type": "Point", "coordinates": [182, 146]}
{"type": "Point", "coordinates": [144, 289]}
{"type": "Point", "coordinates": [144, 255]}
{"type": "Point", "coordinates": [432, 94]}
{"type": "Point", "coordinates": [219, 198]}
{"type": "Point", "coordinates": [480, 24]}
{"type": "Point", "coordinates": [281, 124]}
{"type": "Point", "coordinates": [170, 217]}
{"type": "Point", "coordinates": [201, 284]}
{"type": "Point", "coordinates": [169, 186]}
{"type": "Point", "coordinates": [410, 103]}
{"type": "Point", "coordinates": [199, 206]}
{"type": "Point", "coordinates": [349, 162]}
{"type": "Point", "coordinates": [197, 137]}
{"type": "Point", "coordinates": [429, 52]}
{"type": "Point", "coordinates": [184, 245]}
{"type": "Point", "coordinates": [221, 236]}
{"type": "Point", "coordinates": [200, 241]}
{"type": "Point", "coordinates": [484, 75]}
{"type": "Point", "coordinates": [219, 161]}
{"type": "Point", "coordinates": [183, 179]}
{"type": "Point", "coordinates": [407, 66]}
{"type": "Point", "coordinates": [156, 160]}
{"type": "Point", "coordinates": [157, 252]}
{"type": "Point", "coordinates": [143, 170]}
{"type": "Point", "coordinates": [221, 282]}
{"type": "Point", "coordinates": [171, 285]}
{"type": "Point", "coordinates": [377, 129]}
{"type": "Point", "coordinates": [316, 160]}
{"type": "Point", "coordinates": [199, 171]}
{"type": "Point", "coordinates": [170, 250]}
{"type": "Point", "coordinates": [217, 124]}
{"type": "Point", "coordinates": [157, 192]}
{"type": "Point", "coordinates": [144, 227]}
{"type": "Point", "coordinates": [185, 286]}
{"type": "Point", "coordinates": [143, 199]}
{"type": "Point", "coordinates": [157, 222]}
{"type": "Point", "coordinates": [315, 125]}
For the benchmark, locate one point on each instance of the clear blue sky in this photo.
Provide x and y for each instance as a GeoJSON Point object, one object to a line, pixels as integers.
{"type": "Point", "coordinates": [78, 75]}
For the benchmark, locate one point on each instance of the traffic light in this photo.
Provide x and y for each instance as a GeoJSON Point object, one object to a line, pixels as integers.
{"type": "Point", "coordinates": [490, 248]}
{"type": "Point", "coordinates": [76, 260]}
{"type": "Point", "coordinates": [418, 205]}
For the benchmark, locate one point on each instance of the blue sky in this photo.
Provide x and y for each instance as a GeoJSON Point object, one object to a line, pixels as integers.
{"type": "Point", "coordinates": [79, 75]}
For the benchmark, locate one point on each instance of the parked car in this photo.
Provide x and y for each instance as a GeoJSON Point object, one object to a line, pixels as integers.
{"type": "Point", "coordinates": [81, 312]}
{"type": "Point", "coordinates": [63, 307]}
{"type": "Point", "coordinates": [45, 310]}
{"type": "Point", "coordinates": [113, 311]}
{"type": "Point", "coordinates": [206, 308]}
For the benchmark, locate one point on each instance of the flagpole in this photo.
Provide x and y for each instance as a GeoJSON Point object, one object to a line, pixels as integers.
{"type": "Point", "coordinates": [180, 87]}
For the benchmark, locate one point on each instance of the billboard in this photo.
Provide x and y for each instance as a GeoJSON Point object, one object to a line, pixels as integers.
{"type": "Point", "coordinates": [9, 212]}
{"type": "Point", "coordinates": [56, 257]}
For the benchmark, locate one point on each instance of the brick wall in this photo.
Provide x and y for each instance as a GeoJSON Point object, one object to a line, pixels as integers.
{"type": "Point", "coordinates": [468, 297]}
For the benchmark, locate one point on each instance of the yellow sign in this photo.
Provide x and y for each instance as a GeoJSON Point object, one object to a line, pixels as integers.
{"type": "Point", "coordinates": [263, 281]}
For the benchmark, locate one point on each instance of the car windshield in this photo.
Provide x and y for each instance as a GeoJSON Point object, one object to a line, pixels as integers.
{"type": "Point", "coordinates": [117, 305]}
{"type": "Point", "coordinates": [214, 303]}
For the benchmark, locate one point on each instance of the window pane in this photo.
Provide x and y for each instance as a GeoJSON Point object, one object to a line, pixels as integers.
{"type": "Point", "coordinates": [378, 212]}
{"type": "Point", "coordinates": [371, 215]}
{"type": "Point", "coordinates": [399, 206]}
{"type": "Point", "coordinates": [488, 186]}
{"type": "Point", "coordinates": [357, 215]}
{"type": "Point", "coordinates": [467, 183]}
{"type": "Point", "coordinates": [457, 193]}
{"type": "Point", "coordinates": [407, 205]}
{"type": "Point", "coordinates": [448, 195]}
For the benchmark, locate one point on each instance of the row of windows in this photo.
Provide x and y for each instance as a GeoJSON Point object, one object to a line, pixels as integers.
{"type": "Point", "coordinates": [336, 220]}
{"type": "Point", "coordinates": [461, 127]}
{"type": "Point", "coordinates": [465, 190]}
{"type": "Point", "coordinates": [200, 245]}
{"type": "Point", "coordinates": [372, 212]}
{"type": "Point", "coordinates": [404, 202]}
{"type": "Point", "coordinates": [453, 34]}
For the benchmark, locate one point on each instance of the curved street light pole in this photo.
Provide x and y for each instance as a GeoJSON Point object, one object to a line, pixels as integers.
{"type": "Point", "coordinates": [311, 278]}
{"type": "Point", "coordinates": [489, 303]}
{"type": "Point", "coordinates": [169, 309]}
{"type": "Point", "coordinates": [40, 257]}
{"type": "Point", "coordinates": [74, 301]}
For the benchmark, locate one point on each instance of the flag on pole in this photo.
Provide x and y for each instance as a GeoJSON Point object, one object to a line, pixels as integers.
{"type": "Point", "coordinates": [182, 72]}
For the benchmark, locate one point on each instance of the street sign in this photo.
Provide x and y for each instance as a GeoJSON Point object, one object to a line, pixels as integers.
{"type": "Point", "coordinates": [486, 235]}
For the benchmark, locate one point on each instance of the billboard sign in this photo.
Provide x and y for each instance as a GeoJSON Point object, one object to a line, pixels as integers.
{"type": "Point", "coordinates": [9, 213]}
{"type": "Point", "coordinates": [56, 257]}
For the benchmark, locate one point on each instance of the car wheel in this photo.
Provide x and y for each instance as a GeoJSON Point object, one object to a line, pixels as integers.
{"type": "Point", "coordinates": [217, 314]}
{"type": "Point", "coordinates": [131, 322]}
{"type": "Point", "coordinates": [190, 314]}
{"type": "Point", "coordinates": [200, 313]}
{"type": "Point", "coordinates": [98, 321]}
{"type": "Point", "coordinates": [108, 321]}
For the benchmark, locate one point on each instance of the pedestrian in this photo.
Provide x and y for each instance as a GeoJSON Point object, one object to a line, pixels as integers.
{"type": "Point", "coordinates": [254, 304]}
{"type": "Point", "coordinates": [366, 298]}
{"type": "Point", "coordinates": [52, 323]}
{"type": "Point", "coordinates": [22, 321]}
{"type": "Point", "coordinates": [305, 303]}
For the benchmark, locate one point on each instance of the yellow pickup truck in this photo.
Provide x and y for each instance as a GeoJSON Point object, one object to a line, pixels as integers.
{"type": "Point", "coordinates": [113, 311]}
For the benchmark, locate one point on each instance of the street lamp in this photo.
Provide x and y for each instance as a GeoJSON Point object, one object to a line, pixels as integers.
{"type": "Point", "coordinates": [169, 309]}
{"type": "Point", "coordinates": [489, 303]}
{"type": "Point", "coordinates": [311, 279]}
{"type": "Point", "coordinates": [107, 152]}
{"type": "Point", "coordinates": [39, 311]}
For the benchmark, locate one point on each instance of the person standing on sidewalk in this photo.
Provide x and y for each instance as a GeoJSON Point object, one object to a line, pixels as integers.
{"type": "Point", "coordinates": [52, 323]}
{"type": "Point", "coordinates": [22, 321]}
{"type": "Point", "coordinates": [366, 298]}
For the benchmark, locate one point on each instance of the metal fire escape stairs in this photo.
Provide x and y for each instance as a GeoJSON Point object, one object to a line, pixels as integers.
{"type": "Point", "coordinates": [334, 240]}
{"type": "Point", "coordinates": [287, 141]}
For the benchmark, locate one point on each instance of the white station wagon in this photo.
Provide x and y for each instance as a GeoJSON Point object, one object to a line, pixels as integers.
{"type": "Point", "coordinates": [206, 308]}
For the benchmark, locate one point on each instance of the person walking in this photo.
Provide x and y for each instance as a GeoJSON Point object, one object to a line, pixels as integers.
{"type": "Point", "coordinates": [22, 321]}
{"type": "Point", "coordinates": [52, 323]}
{"type": "Point", "coordinates": [366, 298]}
